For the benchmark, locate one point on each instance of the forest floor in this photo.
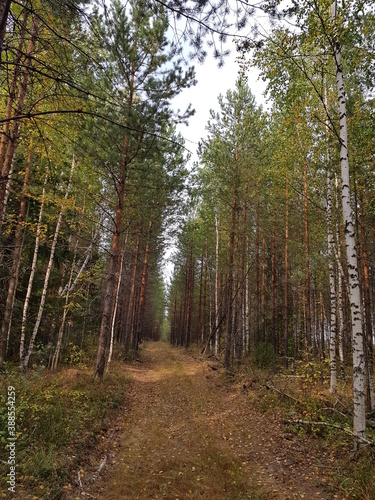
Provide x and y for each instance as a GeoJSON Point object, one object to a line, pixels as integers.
{"type": "Point", "coordinates": [188, 433]}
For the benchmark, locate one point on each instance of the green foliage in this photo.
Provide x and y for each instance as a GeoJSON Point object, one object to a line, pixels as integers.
{"type": "Point", "coordinates": [264, 354]}
{"type": "Point", "coordinates": [58, 418]}
{"type": "Point", "coordinates": [74, 355]}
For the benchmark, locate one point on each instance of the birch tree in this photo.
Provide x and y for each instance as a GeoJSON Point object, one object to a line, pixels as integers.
{"type": "Point", "coordinates": [25, 356]}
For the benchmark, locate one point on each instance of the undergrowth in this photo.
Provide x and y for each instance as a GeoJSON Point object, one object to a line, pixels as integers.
{"type": "Point", "coordinates": [59, 418]}
{"type": "Point", "coordinates": [302, 394]}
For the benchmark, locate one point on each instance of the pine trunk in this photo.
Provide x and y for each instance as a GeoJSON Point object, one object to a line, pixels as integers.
{"type": "Point", "coordinates": [4, 11]}
{"type": "Point", "coordinates": [13, 282]}
{"type": "Point", "coordinates": [14, 134]}
{"type": "Point", "coordinates": [286, 319]}
{"type": "Point", "coordinates": [231, 242]}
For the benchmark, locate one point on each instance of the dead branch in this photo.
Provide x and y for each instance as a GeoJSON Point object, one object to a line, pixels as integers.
{"type": "Point", "coordinates": [269, 386]}
{"type": "Point", "coordinates": [326, 424]}
{"type": "Point", "coordinates": [79, 480]}
{"type": "Point", "coordinates": [104, 461]}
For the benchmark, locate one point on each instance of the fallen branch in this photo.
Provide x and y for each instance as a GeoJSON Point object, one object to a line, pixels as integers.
{"type": "Point", "coordinates": [104, 461]}
{"type": "Point", "coordinates": [335, 410]}
{"type": "Point", "coordinates": [326, 424]}
{"type": "Point", "coordinates": [79, 480]}
{"type": "Point", "coordinates": [269, 386]}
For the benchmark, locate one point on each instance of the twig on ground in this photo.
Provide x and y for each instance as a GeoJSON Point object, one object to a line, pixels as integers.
{"type": "Point", "coordinates": [326, 424]}
{"type": "Point", "coordinates": [335, 410]}
{"type": "Point", "coordinates": [104, 461]}
{"type": "Point", "coordinates": [79, 480]}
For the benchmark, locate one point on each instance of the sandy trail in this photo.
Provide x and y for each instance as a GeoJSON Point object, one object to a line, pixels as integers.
{"type": "Point", "coordinates": [188, 435]}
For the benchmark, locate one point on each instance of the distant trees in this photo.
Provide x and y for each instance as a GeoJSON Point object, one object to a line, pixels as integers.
{"type": "Point", "coordinates": [275, 241]}
{"type": "Point", "coordinates": [91, 92]}
{"type": "Point", "coordinates": [293, 274]}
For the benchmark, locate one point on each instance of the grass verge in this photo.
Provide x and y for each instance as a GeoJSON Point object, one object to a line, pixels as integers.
{"type": "Point", "coordinates": [303, 395]}
{"type": "Point", "coordinates": [59, 420]}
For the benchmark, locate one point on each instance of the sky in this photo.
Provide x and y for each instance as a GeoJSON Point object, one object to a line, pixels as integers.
{"type": "Point", "coordinates": [211, 82]}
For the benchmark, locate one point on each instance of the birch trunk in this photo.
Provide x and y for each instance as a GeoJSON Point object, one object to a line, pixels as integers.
{"type": "Point", "coordinates": [32, 273]}
{"type": "Point", "coordinates": [116, 307]}
{"type": "Point", "coordinates": [341, 279]}
{"type": "Point", "coordinates": [130, 314]}
{"type": "Point", "coordinates": [56, 354]}
{"type": "Point", "coordinates": [200, 326]}
{"type": "Point", "coordinates": [70, 287]}
{"type": "Point", "coordinates": [332, 289]}
{"type": "Point", "coordinates": [359, 420]}
{"type": "Point", "coordinates": [25, 361]}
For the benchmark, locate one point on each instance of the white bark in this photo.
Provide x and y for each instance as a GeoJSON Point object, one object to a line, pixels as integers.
{"type": "Point", "coordinates": [70, 287]}
{"type": "Point", "coordinates": [340, 280]}
{"type": "Point", "coordinates": [32, 272]}
{"type": "Point", "coordinates": [359, 420]}
{"type": "Point", "coordinates": [332, 289]}
{"type": "Point", "coordinates": [56, 354]}
{"type": "Point", "coordinates": [7, 193]}
{"type": "Point", "coordinates": [331, 267]}
{"type": "Point", "coordinates": [116, 305]}
{"type": "Point", "coordinates": [25, 361]}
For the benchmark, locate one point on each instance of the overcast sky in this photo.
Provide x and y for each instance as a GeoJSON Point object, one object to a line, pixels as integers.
{"type": "Point", "coordinates": [211, 82]}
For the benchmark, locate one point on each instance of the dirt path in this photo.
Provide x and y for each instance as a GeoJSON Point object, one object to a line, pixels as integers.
{"type": "Point", "coordinates": [187, 435]}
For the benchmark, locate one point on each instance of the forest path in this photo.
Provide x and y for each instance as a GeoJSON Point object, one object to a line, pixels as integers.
{"type": "Point", "coordinates": [188, 434]}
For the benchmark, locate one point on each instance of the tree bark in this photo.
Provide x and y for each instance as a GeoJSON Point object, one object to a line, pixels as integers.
{"type": "Point", "coordinates": [32, 273]}
{"type": "Point", "coordinates": [263, 302]}
{"type": "Point", "coordinates": [131, 307]}
{"type": "Point", "coordinates": [25, 361]}
{"type": "Point", "coordinates": [217, 280]}
{"type": "Point", "coordinates": [332, 288]}
{"type": "Point", "coordinates": [231, 241]}
{"type": "Point", "coordinates": [4, 11]}
{"type": "Point", "coordinates": [115, 248]}
{"type": "Point", "coordinates": [257, 273]}
{"type": "Point", "coordinates": [12, 89]}
{"type": "Point", "coordinates": [142, 293]}
{"type": "Point", "coordinates": [14, 135]}
{"type": "Point", "coordinates": [368, 319]}
{"type": "Point", "coordinates": [13, 282]}
{"type": "Point", "coordinates": [286, 319]}
{"type": "Point", "coordinates": [359, 420]}
{"type": "Point", "coordinates": [56, 354]}
{"type": "Point", "coordinates": [115, 309]}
